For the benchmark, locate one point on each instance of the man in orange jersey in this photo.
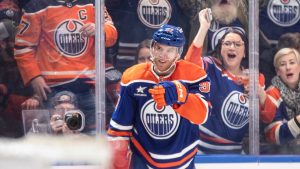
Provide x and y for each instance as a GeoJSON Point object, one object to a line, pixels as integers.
{"type": "Point", "coordinates": [55, 50]}
{"type": "Point", "coordinates": [161, 105]}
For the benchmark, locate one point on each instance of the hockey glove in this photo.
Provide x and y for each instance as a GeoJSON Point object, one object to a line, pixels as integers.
{"type": "Point", "coordinates": [169, 93]}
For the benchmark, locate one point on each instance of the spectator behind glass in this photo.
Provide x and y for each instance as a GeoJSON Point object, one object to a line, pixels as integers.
{"type": "Point", "coordinates": [143, 51]}
{"type": "Point", "coordinates": [225, 14]}
{"type": "Point", "coordinates": [282, 109]}
{"type": "Point", "coordinates": [55, 50]}
{"type": "Point", "coordinates": [63, 103]}
{"type": "Point", "coordinates": [65, 117]}
{"type": "Point", "coordinates": [282, 22]}
{"type": "Point", "coordinates": [287, 40]}
{"type": "Point", "coordinates": [149, 93]}
{"type": "Point", "coordinates": [226, 126]}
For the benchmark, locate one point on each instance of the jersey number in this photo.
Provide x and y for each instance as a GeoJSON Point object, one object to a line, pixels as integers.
{"type": "Point", "coordinates": [24, 28]}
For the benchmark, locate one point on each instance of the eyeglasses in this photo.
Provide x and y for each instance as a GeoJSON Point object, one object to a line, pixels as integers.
{"type": "Point", "coordinates": [235, 44]}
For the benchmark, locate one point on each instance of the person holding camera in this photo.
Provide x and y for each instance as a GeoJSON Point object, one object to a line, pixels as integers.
{"type": "Point", "coordinates": [66, 118]}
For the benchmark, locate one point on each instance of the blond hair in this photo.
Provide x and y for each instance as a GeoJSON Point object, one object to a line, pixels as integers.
{"type": "Point", "coordinates": [285, 51]}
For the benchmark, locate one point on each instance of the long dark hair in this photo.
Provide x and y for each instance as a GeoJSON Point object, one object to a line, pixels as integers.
{"type": "Point", "coordinates": [217, 52]}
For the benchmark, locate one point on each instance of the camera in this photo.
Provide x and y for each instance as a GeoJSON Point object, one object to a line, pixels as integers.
{"type": "Point", "coordinates": [74, 119]}
{"type": "Point", "coordinates": [209, 16]}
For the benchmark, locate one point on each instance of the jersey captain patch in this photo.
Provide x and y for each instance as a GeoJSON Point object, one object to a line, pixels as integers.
{"type": "Point", "coordinates": [159, 122]}
{"type": "Point", "coordinates": [154, 13]}
{"type": "Point", "coordinates": [235, 110]}
{"type": "Point", "coordinates": [284, 12]}
{"type": "Point", "coordinates": [69, 40]}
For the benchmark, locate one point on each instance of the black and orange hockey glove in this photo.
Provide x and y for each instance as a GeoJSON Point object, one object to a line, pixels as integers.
{"type": "Point", "coordinates": [169, 93]}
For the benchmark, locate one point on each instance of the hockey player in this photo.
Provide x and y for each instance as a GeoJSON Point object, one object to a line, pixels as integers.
{"type": "Point", "coordinates": [228, 122]}
{"type": "Point", "coordinates": [281, 109]}
{"type": "Point", "coordinates": [55, 50]}
{"type": "Point", "coordinates": [161, 104]}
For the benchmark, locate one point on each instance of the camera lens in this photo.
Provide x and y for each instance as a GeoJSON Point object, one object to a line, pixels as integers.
{"type": "Point", "coordinates": [74, 121]}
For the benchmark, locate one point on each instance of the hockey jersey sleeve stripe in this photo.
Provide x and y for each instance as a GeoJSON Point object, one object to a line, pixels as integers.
{"type": "Point", "coordinates": [113, 138]}
{"type": "Point", "coordinates": [119, 133]}
{"type": "Point", "coordinates": [22, 51]}
{"type": "Point", "coordinates": [277, 136]}
{"type": "Point", "coordinates": [69, 72]}
{"type": "Point", "coordinates": [274, 101]}
{"type": "Point", "coordinates": [216, 140]}
{"type": "Point", "coordinates": [275, 93]}
{"type": "Point", "coordinates": [162, 165]}
{"type": "Point", "coordinates": [280, 132]}
{"type": "Point", "coordinates": [20, 42]}
{"type": "Point", "coordinates": [120, 127]}
{"type": "Point", "coordinates": [211, 134]}
{"type": "Point", "coordinates": [177, 155]}
{"type": "Point", "coordinates": [295, 130]}
{"type": "Point", "coordinates": [272, 132]}
{"type": "Point", "coordinates": [219, 147]}
{"type": "Point", "coordinates": [195, 109]}
{"type": "Point", "coordinates": [268, 110]}
{"type": "Point", "coordinates": [271, 105]}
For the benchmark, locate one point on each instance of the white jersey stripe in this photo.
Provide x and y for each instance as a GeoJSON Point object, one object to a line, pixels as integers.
{"type": "Point", "coordinates": [120, 127]}
{"type": "Point", "coordinates": [83, 72]}
{"type": "Point", "coordinates": [217, 147]}
{"type": "Point", "coordinates": [176, 155]}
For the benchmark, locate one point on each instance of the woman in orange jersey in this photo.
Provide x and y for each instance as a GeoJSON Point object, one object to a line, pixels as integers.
{"type": "Point", "coordinates": [282, 109]}
{"type": "Point", "coordinates": [55, 50]}
{"type": "Point", "coordinates": [228, 122]}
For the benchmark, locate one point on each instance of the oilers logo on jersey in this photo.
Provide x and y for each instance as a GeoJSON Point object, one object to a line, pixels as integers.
{"type": "Point", "coordinates": [160, 122]}
{"type": "Point", "coordinates": [284, 12]}
{"type": "Point", "coordinates": [154, 13]}
{"type": "Point", "coordinates": [69, 40]}
{"type": "Point", "coordinates": [235, 111]}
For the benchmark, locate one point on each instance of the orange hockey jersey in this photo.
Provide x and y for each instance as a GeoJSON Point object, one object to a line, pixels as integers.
{"type": "Point", "coordinates": [49, 41]}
